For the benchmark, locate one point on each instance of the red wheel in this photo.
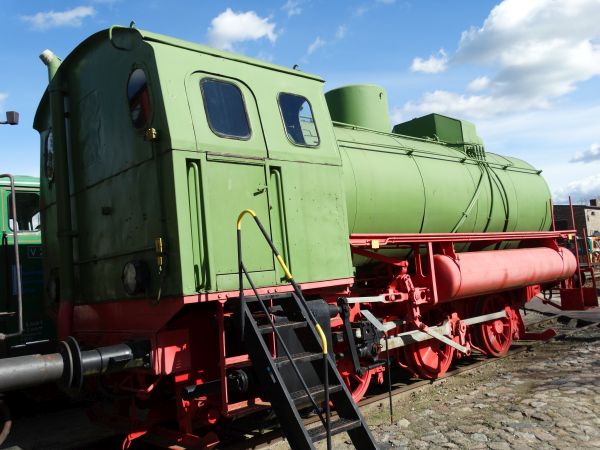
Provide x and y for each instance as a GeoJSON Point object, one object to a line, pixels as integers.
{"type": "Point", "coordinates": [357, 384]}
{"type": "Point", "coordinates": [429, 359]}
{"type": "Point", "coordinates": [495, 337]}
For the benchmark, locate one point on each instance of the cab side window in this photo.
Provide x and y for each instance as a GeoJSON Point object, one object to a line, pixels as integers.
{"type": "Point", "coordinates": [225, 109]}
{"type": "Point", "coordinates": [298, 120]}
{"type": "Point", "coordinates": [28, 211]}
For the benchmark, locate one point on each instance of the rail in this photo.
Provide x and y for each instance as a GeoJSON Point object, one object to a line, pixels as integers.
{"type": "Point", "coordinates": [19, 331]}
{"type": "Point", "coordinates": [311, 320]}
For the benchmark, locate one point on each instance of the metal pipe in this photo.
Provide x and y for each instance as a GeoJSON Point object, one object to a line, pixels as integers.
{"type": "Point", "coordinates": [51, 61]}
{"type": "Point", "coordinates": [19, 331]}
{"type": "Point", "coordinates": [63, 194]}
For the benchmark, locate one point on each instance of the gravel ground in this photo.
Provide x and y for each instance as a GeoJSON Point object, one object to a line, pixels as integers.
{"type": "Point", "coordinates": [544, 398]}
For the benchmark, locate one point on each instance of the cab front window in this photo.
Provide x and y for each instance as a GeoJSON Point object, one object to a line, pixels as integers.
{"type": "Point", "coordinates": [28, 212]}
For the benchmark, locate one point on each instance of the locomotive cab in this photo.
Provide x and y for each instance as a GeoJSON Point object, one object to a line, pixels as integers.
{"type": "Point", "coordinates": [160, 132]}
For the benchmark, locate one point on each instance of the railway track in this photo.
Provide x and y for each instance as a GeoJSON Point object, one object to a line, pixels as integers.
{"type": "Point", "coordinates": [562, 324]}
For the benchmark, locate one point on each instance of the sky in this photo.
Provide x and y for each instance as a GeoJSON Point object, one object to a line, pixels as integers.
{"type": "Point", "coordinates": [527, 73]}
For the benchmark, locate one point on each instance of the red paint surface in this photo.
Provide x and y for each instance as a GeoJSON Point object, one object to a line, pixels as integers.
{"type": "Point", "coordinates": [112, 322]}
{"type": "Point", "coordinates": [478, 273]}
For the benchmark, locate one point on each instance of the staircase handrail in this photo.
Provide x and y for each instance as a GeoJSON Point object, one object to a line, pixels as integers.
{"type": "Point", "coordinates": [305, 310]}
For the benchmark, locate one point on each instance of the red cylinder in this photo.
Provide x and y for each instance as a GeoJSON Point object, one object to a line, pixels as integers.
{"type": "Point", "coordinates": [477, 273]}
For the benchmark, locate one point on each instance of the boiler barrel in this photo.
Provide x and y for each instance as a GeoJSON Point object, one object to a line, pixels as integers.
{"type": "Point", "coordinates": [396, 183]}
{"type": "Point", "coordinates": [437, 190]}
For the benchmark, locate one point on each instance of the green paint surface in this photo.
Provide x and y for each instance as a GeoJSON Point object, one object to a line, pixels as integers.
{"type": "Point", "coordinates": [189, 185]}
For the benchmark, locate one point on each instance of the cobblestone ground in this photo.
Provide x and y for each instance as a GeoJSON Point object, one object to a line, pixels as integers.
{"type": "Point", "coordinates": [545, 398]}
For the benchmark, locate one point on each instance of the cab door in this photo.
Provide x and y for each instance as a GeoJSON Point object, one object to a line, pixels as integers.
{"type": "Point", "coordinates": [233, 177]}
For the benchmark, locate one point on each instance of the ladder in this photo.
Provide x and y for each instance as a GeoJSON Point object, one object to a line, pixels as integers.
{"type": "Point", "coordinates": [298, 378]}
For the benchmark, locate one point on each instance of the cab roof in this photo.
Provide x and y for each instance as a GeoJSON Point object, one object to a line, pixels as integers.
{"type": "Point", "coordinates": [118, 36]}
{"type": "Point", "coordinates": [22, 181]}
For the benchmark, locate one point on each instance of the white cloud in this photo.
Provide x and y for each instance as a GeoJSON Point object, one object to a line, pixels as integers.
{"type": "Point", "coordinates": [315, 45]}
{"type": "Point", "coordinates": [292, 8]}
{"type": "Point", "coordinates": [55, 19]}
{"type": "Point", "coordinates": [460, 105]}
{"type": "Point", "coordinates": [580, 190]}
{"type": "Point", "coordinates": [3, 97]}
{"type": "Point", "coordinates": [360, 10]}
{"type": "Point", "coordinates": [539, 51]}
{"type": "Point", "coordinates": [478, 84]}
{"type": "Point", "coordinates": [593, 154]}
{"type": "Point", "coordinates": [433, 64]}
{"type": "Point", "coordinates": [341, 31]}
{"type": "Point", "coordinates": [231, 27]}
{"type": "Point", "coordinates": [265, 56]}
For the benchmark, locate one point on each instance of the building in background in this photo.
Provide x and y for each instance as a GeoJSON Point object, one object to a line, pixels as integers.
{"type": "Point", "coordinates": [586, 216]}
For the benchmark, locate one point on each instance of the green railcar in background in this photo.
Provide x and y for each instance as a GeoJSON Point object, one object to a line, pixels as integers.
{"type": "Point", "coordinates": [37, 326]}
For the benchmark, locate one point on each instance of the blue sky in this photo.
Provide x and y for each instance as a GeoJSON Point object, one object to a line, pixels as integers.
{"type": "Point", "coordinates": [527, 73]}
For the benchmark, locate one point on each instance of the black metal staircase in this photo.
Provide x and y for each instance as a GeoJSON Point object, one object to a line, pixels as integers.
{"type": "Point", "coordinates": [298, 377]}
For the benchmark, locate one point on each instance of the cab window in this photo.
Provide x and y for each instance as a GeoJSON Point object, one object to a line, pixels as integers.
{"type": "Point", "coordinates": [225, 109]}
{"type": "Point", "coordinates": [298, 120]}
{"type": "Point", "coordinates": [28, 211]}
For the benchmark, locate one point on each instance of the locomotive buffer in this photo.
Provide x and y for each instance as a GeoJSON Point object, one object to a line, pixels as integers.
{"type": "Point", "coordinates": [298, 379]}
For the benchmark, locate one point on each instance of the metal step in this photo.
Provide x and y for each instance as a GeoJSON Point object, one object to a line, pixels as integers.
{"type": "Point", "coordinates": [276, 383]}
{"type": "Point", "coordinates": [7, 314]}
{"type": "Point", "coordinates": [298, 358]}
{"type": "Point", "coordinates": [337, 426]}
{"type": "Point", "coordinates": [317, 392]}
{"type": "Point", "coordinates": [282, 326]}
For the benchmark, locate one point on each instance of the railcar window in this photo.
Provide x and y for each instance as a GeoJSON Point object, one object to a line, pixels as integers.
{"type": "Point", "coordinates": [225, 109]}
{"type": "Point", "coordinates": [28, 211]}
{"type": "Point", "coordinates": [298, 120]}
{"type": "Point", "coordinates": [139, 98]}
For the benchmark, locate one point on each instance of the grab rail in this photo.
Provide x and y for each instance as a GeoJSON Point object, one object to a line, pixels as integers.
{"type": "Point", "coordinates": [19, 332]}
{"type": "Point", "coordinates": [304, 308]}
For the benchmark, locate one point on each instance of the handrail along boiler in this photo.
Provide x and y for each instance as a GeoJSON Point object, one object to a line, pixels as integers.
{"type": "Point", "coordinates": [415, 244]}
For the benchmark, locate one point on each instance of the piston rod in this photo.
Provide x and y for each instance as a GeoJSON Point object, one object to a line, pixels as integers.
{"type": "Point", "coordinates": [70, 365]}
{"type": "Point", "coordinates": [412, 337]}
